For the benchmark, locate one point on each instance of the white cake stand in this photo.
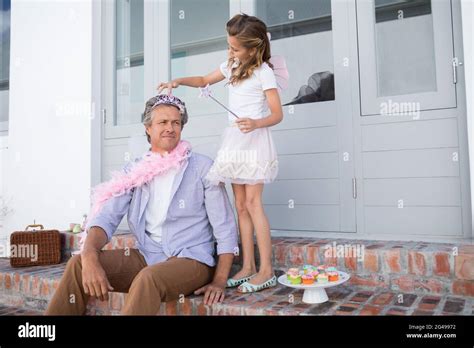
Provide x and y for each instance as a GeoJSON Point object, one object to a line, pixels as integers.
{"type": "Point", "coordinates": [315, 293]}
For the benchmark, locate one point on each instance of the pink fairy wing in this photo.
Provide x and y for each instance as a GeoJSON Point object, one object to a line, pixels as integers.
{"type": "Point", "coordinates": [280, 70]}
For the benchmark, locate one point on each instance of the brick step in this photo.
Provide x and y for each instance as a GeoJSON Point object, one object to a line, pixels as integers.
{"type": "Point", "coordinates": [20, 311]}
{"type": "Point", "coordinates": [27, 291]}
{"type": "Point", "coordinates": [413, 267]}
{"type": "Point", "coordinates": [436, 273]}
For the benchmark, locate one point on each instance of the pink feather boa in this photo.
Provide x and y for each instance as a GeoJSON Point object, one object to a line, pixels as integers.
{"type": "Point", "coordinates": [140, 173]}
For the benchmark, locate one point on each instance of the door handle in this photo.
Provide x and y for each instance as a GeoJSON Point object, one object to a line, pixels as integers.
{"type": "Point", "coordinates": [455, 63]}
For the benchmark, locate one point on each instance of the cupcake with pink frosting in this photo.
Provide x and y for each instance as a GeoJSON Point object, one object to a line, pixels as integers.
{"type": "Point", "coordinates": [307, 279]}
{"type": "Point", "coordinates": [292, 272]}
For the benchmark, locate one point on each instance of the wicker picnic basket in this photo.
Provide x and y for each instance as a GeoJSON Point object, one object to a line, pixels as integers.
{"type": "Point", "coordinates": [36, 247]}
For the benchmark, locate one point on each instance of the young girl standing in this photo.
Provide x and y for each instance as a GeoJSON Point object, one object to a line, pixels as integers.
{"type": "Point", "coordinates": [247, 156]}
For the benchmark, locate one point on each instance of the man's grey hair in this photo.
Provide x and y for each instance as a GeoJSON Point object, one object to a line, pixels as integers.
{"type": "Point", "coordinates": [147, 116]}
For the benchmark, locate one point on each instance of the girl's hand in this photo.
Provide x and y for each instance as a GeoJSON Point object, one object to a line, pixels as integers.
{"type": "Point", "coordinates": [246, 125]}
{"type": "Point", "coordinates": [169, 85]}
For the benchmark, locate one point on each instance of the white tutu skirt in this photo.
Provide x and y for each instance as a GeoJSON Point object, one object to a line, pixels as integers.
{"type": "Point", "coordinates": [245, 158]}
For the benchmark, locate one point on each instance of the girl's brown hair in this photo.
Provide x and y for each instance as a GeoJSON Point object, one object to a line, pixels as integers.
{"type": "Point", "coordinates": [251, 33]}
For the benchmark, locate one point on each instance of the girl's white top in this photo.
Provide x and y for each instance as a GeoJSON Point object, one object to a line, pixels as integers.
{"type": "Point", "coordinates": [247, 98]}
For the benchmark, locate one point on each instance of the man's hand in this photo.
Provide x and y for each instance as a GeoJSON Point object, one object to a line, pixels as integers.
{"type": "Point", "coordinates": [94, 279]}
{"type": "Point", "coordinates": [213, 292]}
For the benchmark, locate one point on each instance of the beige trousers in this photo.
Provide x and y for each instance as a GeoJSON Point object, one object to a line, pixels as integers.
{"type": "Point", "coordinates": [147, 286]}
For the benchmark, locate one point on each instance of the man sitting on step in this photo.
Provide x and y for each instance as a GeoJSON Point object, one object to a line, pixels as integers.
{"type": "Point", "coordinates": [176, 217]}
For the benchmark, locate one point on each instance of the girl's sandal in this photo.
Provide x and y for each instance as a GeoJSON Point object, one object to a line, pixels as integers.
{"type": "Point", "coordinates": [232, 283]}
{"type": "Point", "coordinates": [248, 287]}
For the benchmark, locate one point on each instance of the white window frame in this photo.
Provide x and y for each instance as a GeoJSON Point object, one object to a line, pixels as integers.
{"type": "Point", "coordinates": [4, 127]}
{"type": "Point", "coordinates": [444, 97]}
{"type": "Point", "coordinates": [157, 55]}
{"type": "Point", "coordinates": [152, 23]}
{"type": "Point", "coordinates": [4, 124]}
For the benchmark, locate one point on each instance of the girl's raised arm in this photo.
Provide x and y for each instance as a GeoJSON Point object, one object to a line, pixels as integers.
{"type": "Point", "coordinates": [192, 81]}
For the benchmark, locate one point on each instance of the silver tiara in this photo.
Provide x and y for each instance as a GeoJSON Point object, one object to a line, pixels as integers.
{"type": "Point", "coordinates": [170, 100]}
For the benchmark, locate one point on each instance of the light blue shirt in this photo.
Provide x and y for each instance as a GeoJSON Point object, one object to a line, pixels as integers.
{"type": "Point", "coordinates": [199, 215]}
